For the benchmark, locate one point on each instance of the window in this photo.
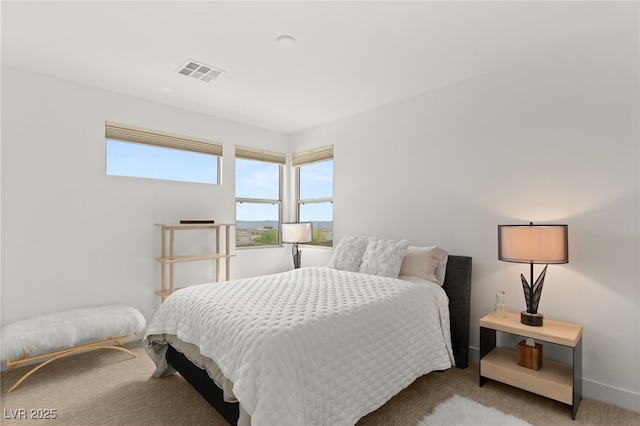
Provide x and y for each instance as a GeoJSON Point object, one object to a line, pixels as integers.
{"type": "Point", "coordinates": [149, 154]}
{"type": "Point", "coordinates": [258, 197]}
{"type": "Point", "coordinates": [314, 192]}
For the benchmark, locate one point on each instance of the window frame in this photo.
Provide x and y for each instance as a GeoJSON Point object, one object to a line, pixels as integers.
{"type": "Point", "coordinates": [154, 138]}
{"type": "Point", "coordinates": [251, 154]}
{"type": "Point", "coordinates": [306, 158]}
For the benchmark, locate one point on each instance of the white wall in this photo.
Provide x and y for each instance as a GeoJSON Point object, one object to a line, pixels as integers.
{"type": "Point", "coordinates": [552, 141]}
{"type": "Point", "coordinates": [74, 237]}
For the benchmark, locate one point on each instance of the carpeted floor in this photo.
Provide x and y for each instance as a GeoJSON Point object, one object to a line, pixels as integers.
{"type": "Point", "coordinates": [110, 388]}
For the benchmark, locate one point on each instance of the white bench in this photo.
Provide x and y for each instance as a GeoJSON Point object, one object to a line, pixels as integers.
{"type": "Point", "coordinates": [57, 335]}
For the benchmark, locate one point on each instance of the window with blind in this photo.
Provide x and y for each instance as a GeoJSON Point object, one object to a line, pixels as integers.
{"type": "Point", "coordinates": [142, 153]}
{"type": "Point", "coordinates": [314, 192]}
{"type": "Point", "coordinates": [258, 197]}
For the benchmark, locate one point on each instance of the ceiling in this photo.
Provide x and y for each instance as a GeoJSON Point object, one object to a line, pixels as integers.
{"type": "Point", "coordinates": [349, 56]}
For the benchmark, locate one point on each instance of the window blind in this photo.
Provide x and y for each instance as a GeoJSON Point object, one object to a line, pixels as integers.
{"type": "Point", "coordinates": [312, 155]}
{"type": "Point", "coordinates": [260, 155]}
{"type": "Point", "coordinates": [126, 133]}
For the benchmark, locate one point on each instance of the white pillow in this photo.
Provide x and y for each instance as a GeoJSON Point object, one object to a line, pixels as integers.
{"type": "Point", "coordinates": [423, 262]}
{"type": "Point", "coordinates": [383, 257]}
{"type": "Point", "coordinates": [347, 255]}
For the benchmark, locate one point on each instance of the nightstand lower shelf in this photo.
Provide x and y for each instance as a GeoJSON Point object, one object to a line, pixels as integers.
{"type": "Point", "coordinates": [554, 381]}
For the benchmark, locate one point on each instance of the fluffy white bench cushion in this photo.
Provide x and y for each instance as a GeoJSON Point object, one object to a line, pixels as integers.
{"type": "Point", "coordinates": [48, 333]}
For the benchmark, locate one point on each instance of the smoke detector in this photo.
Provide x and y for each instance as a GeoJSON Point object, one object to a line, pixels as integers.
{"type": "Point", "coordinates": [199, 71]}
{"type": "Point", "coordinates": [286, 41]}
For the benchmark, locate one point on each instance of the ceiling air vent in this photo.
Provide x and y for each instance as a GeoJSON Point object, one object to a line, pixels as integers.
{"type": "Point", "coordinates": [199, 71]}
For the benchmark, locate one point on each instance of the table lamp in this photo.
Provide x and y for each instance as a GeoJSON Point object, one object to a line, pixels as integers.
{"type": "Point", "coordinates": [296, 233]}
{"type": "Point", "coordinates": [533, 244]}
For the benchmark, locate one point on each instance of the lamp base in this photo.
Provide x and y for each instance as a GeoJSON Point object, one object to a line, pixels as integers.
{"type": "Point", "coordinates": [297, 255]}
{"type": "Point", "coordinates": [531, 319]}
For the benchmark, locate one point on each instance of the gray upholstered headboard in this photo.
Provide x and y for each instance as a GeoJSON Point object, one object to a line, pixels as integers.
{"type": "Point", "coordinates": [457, 285]}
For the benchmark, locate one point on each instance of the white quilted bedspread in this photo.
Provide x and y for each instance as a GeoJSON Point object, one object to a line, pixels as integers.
{"type": "Point", "coordinates": [313, 346]}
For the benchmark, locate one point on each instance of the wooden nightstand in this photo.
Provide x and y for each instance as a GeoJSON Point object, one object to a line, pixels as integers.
{"type": "Point", "coordinates": [555, 380]}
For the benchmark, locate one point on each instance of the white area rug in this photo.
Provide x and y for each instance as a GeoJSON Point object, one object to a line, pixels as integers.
{"type": "Point", "coordinates": [460, 411]}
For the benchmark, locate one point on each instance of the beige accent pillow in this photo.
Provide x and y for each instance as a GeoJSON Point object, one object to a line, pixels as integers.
{"type": "Point", "coordinates": [422, 262]}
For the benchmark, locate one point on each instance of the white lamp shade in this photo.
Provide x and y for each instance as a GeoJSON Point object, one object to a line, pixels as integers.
{"type": "Point", "coordinates": [533, 243]}
{"type": "Point", "coordinates": [299, 232]}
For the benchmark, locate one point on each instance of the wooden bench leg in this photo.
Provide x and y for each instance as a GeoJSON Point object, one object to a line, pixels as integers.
{"type": "Point", "coordinates": [62, 354]}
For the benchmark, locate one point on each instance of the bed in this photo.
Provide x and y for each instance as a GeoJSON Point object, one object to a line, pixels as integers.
{"type": "Point", "coordinates": [314, 345]}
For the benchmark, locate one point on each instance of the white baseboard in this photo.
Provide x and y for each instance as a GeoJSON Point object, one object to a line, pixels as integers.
{"type": "Point", "coordinates": [611, 395]}
{"type": "Point", "coordinates": [594, 390]}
